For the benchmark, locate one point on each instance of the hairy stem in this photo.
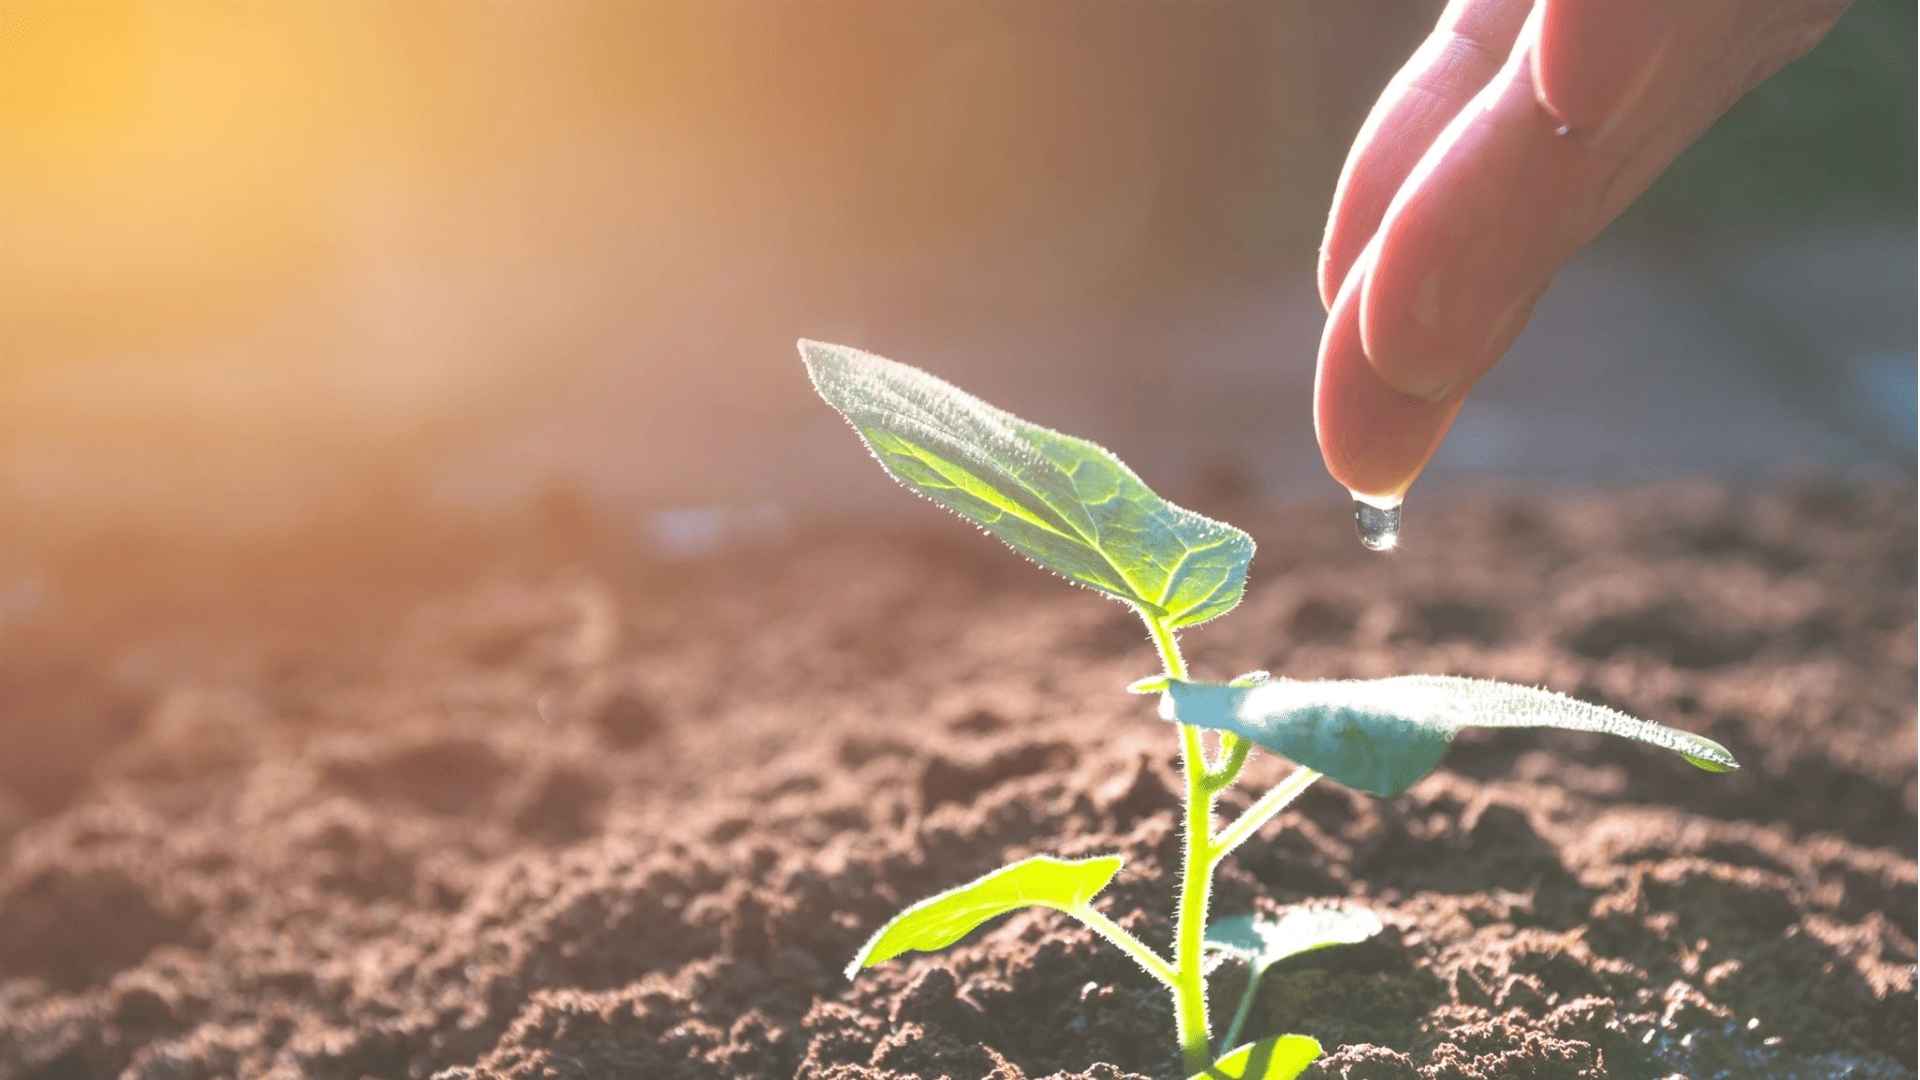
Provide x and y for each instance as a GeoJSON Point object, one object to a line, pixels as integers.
{"type": "Point", "coordinates": [1263, 810]}
{"type": "Point", "coordinates": [1233, 756]}
{"type": "Point", "coordinates": [1196, 876]}
{"type": "Point", "coordinates": [1196, 881]}
{"type": "Point", "coordinates": [1132, 946]}
{"type": "Point", "coordinates": [1164, 640]}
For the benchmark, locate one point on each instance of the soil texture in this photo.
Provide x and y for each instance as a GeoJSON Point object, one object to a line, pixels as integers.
{"type": "Point", "coordinates": [471, 803]}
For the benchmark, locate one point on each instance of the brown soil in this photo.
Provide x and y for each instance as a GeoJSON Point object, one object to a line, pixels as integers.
{"type": "Point", "coordinates": [484, 808]}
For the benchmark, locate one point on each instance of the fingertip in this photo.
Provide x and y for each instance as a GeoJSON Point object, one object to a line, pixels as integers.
{"type": "Point", "coordinates": [1374, 439]}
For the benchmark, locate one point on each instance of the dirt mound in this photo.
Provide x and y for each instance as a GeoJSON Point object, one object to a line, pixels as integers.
{"type": "Point", "coordinates": [585, 815]}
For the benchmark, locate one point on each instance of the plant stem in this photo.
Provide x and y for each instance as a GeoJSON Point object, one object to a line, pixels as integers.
{"type": "Point", "coordinates": [1169, 646]}
{"type": "Point", "coordinates": [1263, 810]}
{"type": "Point", "coordinates": [1196, 881]}
{"type": "Point", "coordinates": [1196, 877]}
{"type": "Point", "coordinates": [1234, 756]}
{"type": "Point", "coordinates": [1132, 946]}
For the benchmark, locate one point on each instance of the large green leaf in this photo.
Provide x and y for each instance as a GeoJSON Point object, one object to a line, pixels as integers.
{"type": "Point", "coordinates": [1065, 503]}
{"type": "Point", "coordinates": [1265, 940]}
{"type": "Point", "coordinates": [1382, 735]}
{"type": "Point", "coordinates": [1281, 1057]}
{"type": "Point", "coordinates": [940, 920]}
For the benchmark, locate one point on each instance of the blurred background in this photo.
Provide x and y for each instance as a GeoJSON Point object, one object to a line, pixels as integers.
{"type": "Point", "coordinates": [263, 265]}
{"type": "Point", "coordinates": [374, 372]}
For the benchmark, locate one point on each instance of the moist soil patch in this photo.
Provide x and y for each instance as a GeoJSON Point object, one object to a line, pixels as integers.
{"type": "Point", "coordinates": [497, 803]}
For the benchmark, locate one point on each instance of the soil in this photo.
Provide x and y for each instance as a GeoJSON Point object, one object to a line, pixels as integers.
{"type": "Point", "coordinates": [419, 799]}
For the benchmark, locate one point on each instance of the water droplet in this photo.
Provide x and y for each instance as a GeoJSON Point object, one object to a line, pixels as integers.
{"type": "Point", "coordinates": [1377, 523]}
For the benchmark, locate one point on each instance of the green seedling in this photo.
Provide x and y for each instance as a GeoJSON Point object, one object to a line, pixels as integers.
{"type": "Point", "coordinates": [1073, 508]}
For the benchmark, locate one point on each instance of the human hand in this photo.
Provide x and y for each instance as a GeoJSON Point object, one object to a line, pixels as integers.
{"type": "Point", "coordinates": [1512, 136]}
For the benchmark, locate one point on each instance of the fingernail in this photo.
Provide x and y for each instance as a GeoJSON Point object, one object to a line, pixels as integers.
{"type": "Point", "coordinates": [1433, 337]}
{"type": "Point", "coordinates": [1417, 344]}
{"type": "Point", "coordinates": [1375, 439]}
{"type": "Point", "coordinates": [1428, 383]}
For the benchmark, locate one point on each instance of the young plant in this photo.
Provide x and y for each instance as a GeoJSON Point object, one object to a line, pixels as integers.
{"type": "Point", "coordinates": [1073, 508]}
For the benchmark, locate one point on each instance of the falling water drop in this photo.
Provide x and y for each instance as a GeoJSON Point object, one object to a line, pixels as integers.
{"type": "Point", "coordinates": [1378, 522]}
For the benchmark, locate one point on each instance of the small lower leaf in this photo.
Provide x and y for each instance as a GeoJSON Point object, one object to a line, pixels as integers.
{"type": "Point", "coordinates": [942, 919]}
{"type": "Point", "coordinates": [1281, 1057]}
{"type": "Point", "coordinates": [1265, 940]}
{"type": "Point", "coordinates": [1383, 735]}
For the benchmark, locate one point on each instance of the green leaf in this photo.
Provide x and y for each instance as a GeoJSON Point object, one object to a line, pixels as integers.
{"type": "Point", "coordinates": [1383, 735]}
{"type": "Point", "coordinates": [1281, 1057]}
{"type": "Point", "coordinates": [1065, 503]}
{"type": "Point", "coordinates": [1263, 941]}
{"type": "Point", "coordinates": [940, 920]}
